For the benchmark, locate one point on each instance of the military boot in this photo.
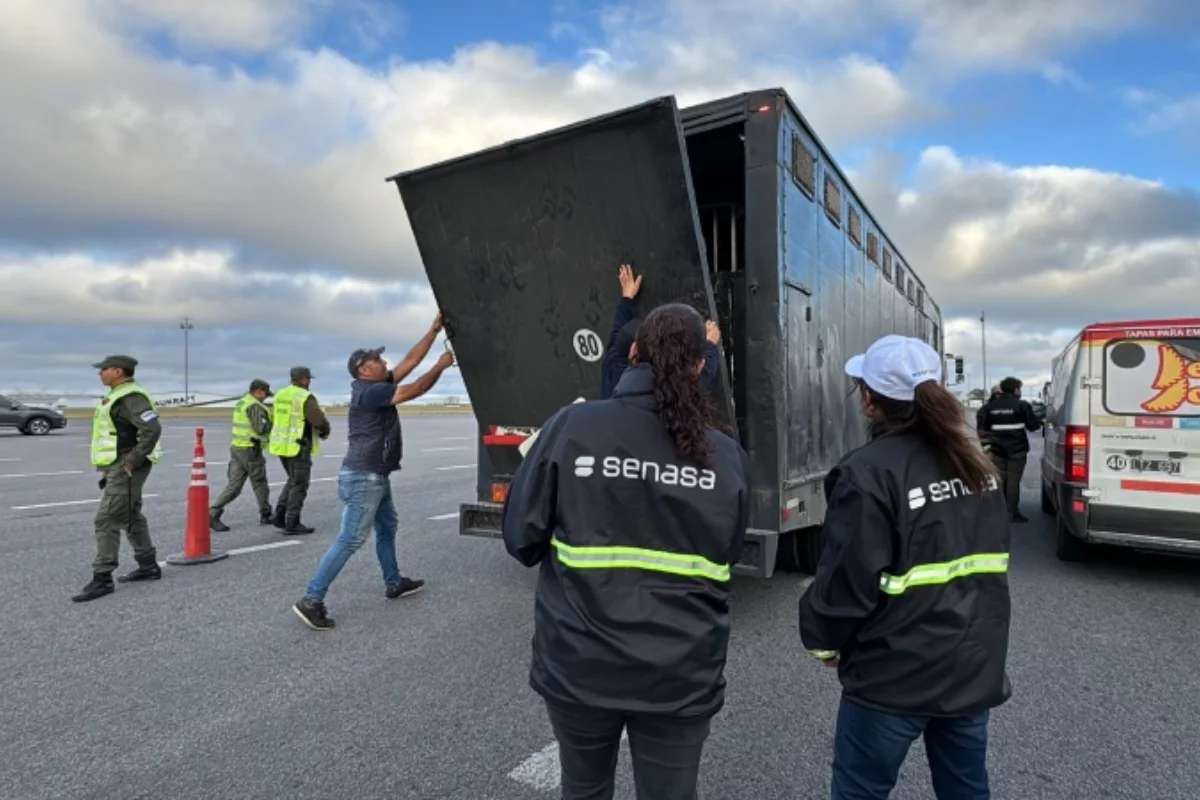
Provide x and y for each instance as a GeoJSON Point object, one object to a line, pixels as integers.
{"type": "Point", "coordinates": [277, 520]}
{"type": "Point", "coordinates": [295, 526]}
{"type": "Point", "coordinates": [215, 524]}
{"type": "Point", "coordinates": [266, 518]}
{"type": "Point", "coordinates": [144, 572]}
{"type": "Point", "coordinates": [100, 585]}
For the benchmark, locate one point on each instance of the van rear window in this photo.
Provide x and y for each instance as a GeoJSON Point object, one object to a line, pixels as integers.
{"type": "Point", "coordinates": [1152, 376]}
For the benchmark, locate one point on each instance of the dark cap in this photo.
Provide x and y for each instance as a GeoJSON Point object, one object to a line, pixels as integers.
{"type": "Point", "coordinates": [127, 363]}
{"type": "Point", "coordinates": [300, 373]}
{"type": "Point", "coordinates": [360, 357]}
{"type": "Point", "coordinates": [258, 384]}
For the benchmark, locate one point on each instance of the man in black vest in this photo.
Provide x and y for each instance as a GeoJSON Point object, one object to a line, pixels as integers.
{"type": "Point", "coordinates": [373, 451]}
{"type": "Point", "coordinates": [1004, 423]}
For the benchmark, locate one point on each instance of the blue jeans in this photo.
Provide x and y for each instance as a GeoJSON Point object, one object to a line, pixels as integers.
{"type": "Point", "coordinates": [367, 503]}
{"type": "Point", "coordinates": [870, 746]}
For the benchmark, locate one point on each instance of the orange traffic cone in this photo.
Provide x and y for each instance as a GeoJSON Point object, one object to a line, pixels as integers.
{"type": "Point", "coordinates": [197, 545]}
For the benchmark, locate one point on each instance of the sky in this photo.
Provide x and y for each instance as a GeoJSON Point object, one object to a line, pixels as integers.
{"type": "Point", "coordinates": [225, 160]}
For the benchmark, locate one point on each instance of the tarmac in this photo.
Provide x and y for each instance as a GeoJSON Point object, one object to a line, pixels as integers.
{"type": "Point", "coordinates": [205, 685]}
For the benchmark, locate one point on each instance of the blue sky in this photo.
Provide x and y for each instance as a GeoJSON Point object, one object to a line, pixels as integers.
{"type": "Point", "coordinates": [1037, 160]}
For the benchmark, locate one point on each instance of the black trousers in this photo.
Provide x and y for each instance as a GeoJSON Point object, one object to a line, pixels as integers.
{"type": "Point", "coordinates": [666, 752]}
{"type": "Point", "coordinates": [1011, 469]}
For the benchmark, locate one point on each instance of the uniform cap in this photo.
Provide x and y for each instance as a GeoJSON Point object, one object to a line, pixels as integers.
{"type": "Point", "coordinates": [895, 365]}
{"type": "Point", "coordinates": [360, 357]}
{"type": "Point", "coordinates": [124, 362]}
{"type": "Point", "coordinates": [300, 373]}
{"type": "Point", "coordinates": [258, 383]}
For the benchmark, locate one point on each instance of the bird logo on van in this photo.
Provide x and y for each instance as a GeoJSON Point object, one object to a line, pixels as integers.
{"type": "Point", "coordinates": [1173, 382]}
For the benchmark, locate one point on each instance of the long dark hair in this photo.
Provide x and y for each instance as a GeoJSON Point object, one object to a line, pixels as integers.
{"type": "Point", "coordinates": [671, 342]}
{"type": "Point", "coordinates": [935, 417]}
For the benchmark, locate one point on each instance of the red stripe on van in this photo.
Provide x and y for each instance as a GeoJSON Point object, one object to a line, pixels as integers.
{"type": "Point", "coordinates": [1156, 486]}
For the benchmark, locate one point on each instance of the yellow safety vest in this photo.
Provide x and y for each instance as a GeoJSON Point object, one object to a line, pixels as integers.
{"type": "Point", "coordinates": [104, 430]}
{"type": "Point", "coordinates": [244, 435]}
{"type": "Point", "coordinates": [288, 422]}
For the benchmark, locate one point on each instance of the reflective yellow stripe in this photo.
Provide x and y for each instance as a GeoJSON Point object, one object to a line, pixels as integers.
{"type": "Point", "coordinates": [637, 558]}
{"type": "Point", "coordinates": [824, 655]}
{"type": "Point", "coordinates": [936, 574]}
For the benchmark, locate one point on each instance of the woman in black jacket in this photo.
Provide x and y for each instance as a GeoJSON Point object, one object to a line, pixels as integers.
{"type": "Point", "coordinates": [910, 601]}
{"type": "Point", "coordinates": [635, 507]}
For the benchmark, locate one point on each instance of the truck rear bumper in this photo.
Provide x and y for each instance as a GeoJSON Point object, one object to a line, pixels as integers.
{"type": "Point", "coordinates": [757, 560]}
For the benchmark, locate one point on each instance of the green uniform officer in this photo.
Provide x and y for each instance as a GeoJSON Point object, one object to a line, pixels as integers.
{"type": "Point", "coordinates": [125, 446]}
{"type": "Point", "coordinates": [251, 427]}
{"type": "Point", "coordinates": [296, 424]}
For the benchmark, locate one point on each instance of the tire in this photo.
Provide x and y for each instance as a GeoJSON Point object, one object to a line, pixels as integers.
{"type": "Point", "coordinates": [800, 551]}
{"type": "Point", "coordinates": [1047, 501]}
{"type": "Point", "coordinates": [1066, 546]}
{"type": "Point", "coordinates": [37, 426]}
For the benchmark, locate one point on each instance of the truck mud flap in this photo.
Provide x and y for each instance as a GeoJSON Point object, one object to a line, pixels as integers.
{"type": "Point", "coordinates": [480, 519]}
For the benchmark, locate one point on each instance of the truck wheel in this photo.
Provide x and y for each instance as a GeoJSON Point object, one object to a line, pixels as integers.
{"type": "Point", "coordinates": [1066, 546]}
{"type": "Point", "coordinates": [1047, 501]}
{"type": "Point", "coordinates": [800, 551]}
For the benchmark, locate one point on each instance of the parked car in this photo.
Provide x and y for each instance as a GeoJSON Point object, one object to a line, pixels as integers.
{"type": "Point", "coordinates": [30, 420]}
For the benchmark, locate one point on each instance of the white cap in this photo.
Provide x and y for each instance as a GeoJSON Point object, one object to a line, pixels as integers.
{"type": "Point", "coordinates": [895, 365]}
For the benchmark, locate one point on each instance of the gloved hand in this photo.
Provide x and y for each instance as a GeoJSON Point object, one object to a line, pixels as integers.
{"type": "Point", "coordinates": [103, 483]}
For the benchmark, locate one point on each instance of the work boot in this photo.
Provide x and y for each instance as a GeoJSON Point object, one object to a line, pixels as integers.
{"type": "Point", "coordinates": [215, 524]}
{"type": "Point", "coordinates": [144, 572]}
{"type": "Point", "coordinates": [277, 519]}
{"type": "Point", "coordinates": [312, 614]}
{"type": "Point", "coordinates": [406, 587]}
{"type": "Point", "coordinates": [100, 585]}
{"type": "Point", "coordinates": [296, 527]}
{"type": "Point", "coordinates": [266, 518]}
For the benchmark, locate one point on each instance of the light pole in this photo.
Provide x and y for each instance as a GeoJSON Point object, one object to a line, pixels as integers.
{"type": "Point", "coordinates": [983, 334]}
{"type": "Point", "coordinates": [185, 326]}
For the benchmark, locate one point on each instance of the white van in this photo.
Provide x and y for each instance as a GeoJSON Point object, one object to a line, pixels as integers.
{"type": "Point", "coordinates": [1122, 459]}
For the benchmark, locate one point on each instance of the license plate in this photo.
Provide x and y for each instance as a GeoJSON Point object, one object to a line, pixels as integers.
{"type": "Point", "coordinates": [1165, 466]}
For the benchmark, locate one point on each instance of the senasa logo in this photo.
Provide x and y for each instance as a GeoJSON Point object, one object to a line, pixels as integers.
{"type": "Point", "coordinates": [636, 469]}
{"type": "Point", "coordinates": [1173, 382]}
{"type": "Point", "coordinates": [941, 491]}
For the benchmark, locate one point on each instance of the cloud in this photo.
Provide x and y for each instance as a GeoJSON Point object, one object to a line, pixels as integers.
{"type": "Point", "coordinates": [144, 183]}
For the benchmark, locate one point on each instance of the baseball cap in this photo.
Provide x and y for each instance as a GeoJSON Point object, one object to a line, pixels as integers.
{"type": "Point", "coordinates": [300, 373]}
{"type": "Point", "coordinates": [259, 383]}
{"type": "Point", "coordinates": [895, 365]}
{"type": "Point", "coordinates": [360, 357]}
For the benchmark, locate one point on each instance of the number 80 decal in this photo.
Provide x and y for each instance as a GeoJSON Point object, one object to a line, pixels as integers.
{"type": "Point", "coordinates": [587, 345]}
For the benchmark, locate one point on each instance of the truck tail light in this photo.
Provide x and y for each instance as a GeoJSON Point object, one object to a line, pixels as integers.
{"type": "Point", "coordinates": [1075, 455]}
{"type": "Point", "coordinates": [499, 492]}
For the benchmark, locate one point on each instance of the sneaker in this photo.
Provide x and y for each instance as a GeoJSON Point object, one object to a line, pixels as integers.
{"type": "Point", "coordinates": [406, 587]}
{"type": "Point", "coordinates": [313, 615]}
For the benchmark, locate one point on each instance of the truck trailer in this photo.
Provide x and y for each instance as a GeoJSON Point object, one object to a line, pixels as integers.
{"type": "Point", "coordinates": [734, 204]}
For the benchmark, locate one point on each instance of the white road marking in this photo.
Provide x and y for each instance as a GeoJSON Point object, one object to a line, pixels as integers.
{"type": "Point", "coordinates": [313, 480]}
{"type": "Point", "coordinates": [442, 449]}
{"type": "Point", "coordinates": [541, 770]}
{"type": "Point", "coordinates": [65, 503]}
{"type": "Point", "coordinates": [445, 516]}
{"type": "Point", "coordinates": [237, 551]}
{"type": "Point", "coordinates": [206, 463]}
{"type": "Point", "coordinates": [457, 438]}
{"type": "Point", "coordinates": [10, 459]}
{"type": "Point", "coordinates": [42, 474]}
{"type": "Point", "coordinates": [456, 466]}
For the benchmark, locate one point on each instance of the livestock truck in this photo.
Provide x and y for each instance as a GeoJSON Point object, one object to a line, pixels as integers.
{"type": "Point", "coordinates": [734, 203]}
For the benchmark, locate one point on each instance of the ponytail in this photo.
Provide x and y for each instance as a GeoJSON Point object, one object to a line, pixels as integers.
{"type": "Point", "coordinates": [936, 417]}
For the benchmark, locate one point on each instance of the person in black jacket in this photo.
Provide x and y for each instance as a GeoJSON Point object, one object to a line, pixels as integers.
{"type": "Point", "coordinates": [636, 509]}
{"type": "Point", "coordinates": [1004, 425]}
{"type": "Point", "coordinates": [910, 601]}
{"type": "Point", "coordinates": [624, 328]}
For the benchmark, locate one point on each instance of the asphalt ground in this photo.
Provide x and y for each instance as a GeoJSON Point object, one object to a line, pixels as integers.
{"type": "Point", "coordinates": [205, 685]}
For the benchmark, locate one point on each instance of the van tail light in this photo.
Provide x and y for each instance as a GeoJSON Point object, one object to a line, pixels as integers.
{"type": "Point", "coordinates": [1075, 455]}
{"type": "Point", "coordinates": [499, 492]}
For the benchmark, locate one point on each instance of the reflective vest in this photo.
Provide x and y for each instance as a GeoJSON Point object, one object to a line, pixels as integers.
{"type": "Point", "coordinates": [288, 422]}
{"type": "Point", "coordinates": [104, 430]}
{"type": "Point", "coordinates": [244, 435]}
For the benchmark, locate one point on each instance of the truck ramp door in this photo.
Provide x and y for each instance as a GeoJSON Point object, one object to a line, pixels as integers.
{"type": "Point", "coordinates": [522, 242]}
